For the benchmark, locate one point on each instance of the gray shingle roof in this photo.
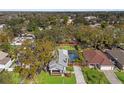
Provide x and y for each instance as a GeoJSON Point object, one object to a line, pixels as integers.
{"type": "Point", "coordinates": [4, 61]}
{"type": "Point", "coordinates": [3, 55]}
{"type": "Point", "coordinates": [62, 58]}
{"type": "Point", "coordinates": [56, 66]}
{"type": "Point", "coordinates": [117, 54]}
{"type": "Point", "coordinates": [59, 63]}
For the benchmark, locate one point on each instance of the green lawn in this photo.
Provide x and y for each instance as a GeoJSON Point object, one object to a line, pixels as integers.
{"type": "Point", "coordinates": [120, 76]}
{"type": "Point", "coordinates": [93, 76]}
{"type": "Point", "coordinates": [67, 47]}
{"type": "Point", "coordinates": [9, 77]}
{"type": "Point", "coordinates": [45, 78]}
{"type": "Point", "coordinates": [15, 77]}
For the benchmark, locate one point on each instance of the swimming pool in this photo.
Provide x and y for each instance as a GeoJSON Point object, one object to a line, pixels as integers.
{"type": "Point", "coordinates": [73, 55]}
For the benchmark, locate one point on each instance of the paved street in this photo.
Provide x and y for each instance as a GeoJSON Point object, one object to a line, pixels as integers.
{"type": "Point", "coordinates": [110, 75]}
{"type": "Point", "coordinates": [79, 75]}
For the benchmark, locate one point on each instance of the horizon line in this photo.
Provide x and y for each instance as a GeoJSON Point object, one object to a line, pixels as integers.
{"type": "Point", "coordinates": [61, 10]}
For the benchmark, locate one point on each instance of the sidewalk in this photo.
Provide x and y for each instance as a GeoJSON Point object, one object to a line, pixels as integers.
{"type": "Point", "coordinates": [79, 75]}
{"type": "Point", "coordinates": [110, 75]}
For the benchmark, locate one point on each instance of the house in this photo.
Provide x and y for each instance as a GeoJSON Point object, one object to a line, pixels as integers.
{"type": "Point", "coordinates": [95, 58]}
{"type": "Point", "coordinates": [20, 39]}
{"type": "Point", "coordinates": [5, 61]}
{"type": "Point", "coordinates": [59, 64]}
{"type": "Point", "coordinates": [117, 56]}
{"type": "Point", "coordinates": [40, 28]}
{"type": "Point", "coordinates": [95, 25]}
{"type": "Point", "coordinates": [69, 21]}
{"type": "Point", "coordinates": [17, 41]}
{"type": "Point", "coordinates": [2, 26]}
{"type": "Point", "coordinates": [90, 18]}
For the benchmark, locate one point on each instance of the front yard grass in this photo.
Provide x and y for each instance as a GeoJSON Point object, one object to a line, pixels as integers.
{"type": "Point", "coordinates": [15, 77]}
{"type": "Point", "coordinates": [93, 76]}
{"type": "Point", "coordinates": [120, 76]}
{"type": "Point", "coordinates": [45, 78]}
{"type": "Point", "coordinates": [9, 77]}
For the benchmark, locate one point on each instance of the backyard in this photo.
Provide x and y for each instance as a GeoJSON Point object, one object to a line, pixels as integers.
{"type": "Point", "coordinates": [67, 47]}
{"type": "Point", "coordinates": [120, 76]}
{"type": "Point", "coordinates": [74, 52]}
{"type": "Point", "coordinates": [45, 78]}
{"type": "Point", "coordinates": [93, 76]}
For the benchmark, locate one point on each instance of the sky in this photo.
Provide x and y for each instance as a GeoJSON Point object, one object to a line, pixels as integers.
{"type": "Point", "coordinates": [61, 4]}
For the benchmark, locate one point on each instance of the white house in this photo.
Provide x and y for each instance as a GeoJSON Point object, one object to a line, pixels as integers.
{"type": "Point", "coordinates": [90, 17]}
{"type": "Point", "coordinates": [95, 25]}
{"type": "Point", "coordinates": [5, 61]}
{"type": "Point", "coordinates": [58, 66]}
{"type": "Point", "coordinates": [2, 26]}
{"type": "Point", "coordinates": [70, 21]}
{"type": "Point", "coordinates": [19, 40]}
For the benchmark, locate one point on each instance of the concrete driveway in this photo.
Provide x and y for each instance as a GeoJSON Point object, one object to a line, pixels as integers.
{"type": "Point", "coordinates": [110, 75]}
{"type": "Point", "coordinates": [79, 75]}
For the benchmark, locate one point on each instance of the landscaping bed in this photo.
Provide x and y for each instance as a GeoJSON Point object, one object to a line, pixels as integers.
{"type": "Point", "coordinates": [93, 76]}
{"type": "Point", "coordinates": [46, 78]}
{"type": "Point", "coordinates": [70, 68]}
{"type": "Point", "coordinates": [120, 76]}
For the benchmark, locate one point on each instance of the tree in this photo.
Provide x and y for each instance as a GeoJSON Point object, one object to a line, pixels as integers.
{"type": "Point", "coordinates": [34, 56]}
{"type": "Point", "coordinates": [44, 49]}
{"type": "Point", "coordinates": [15, 25]}
{"type": "Point", "coordinates": [4, 38]}
{"type": "Point", "coordinates": [103, 24]}
{"type": "Point", "coordinates": [96, 38]}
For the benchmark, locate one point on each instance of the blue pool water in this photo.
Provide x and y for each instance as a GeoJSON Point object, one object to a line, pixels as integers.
{"type": "Point", "coordinates": [73, 55]}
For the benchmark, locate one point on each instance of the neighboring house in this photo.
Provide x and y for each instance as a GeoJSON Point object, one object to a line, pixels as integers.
{"type": "Point", "coordinates": [95, 58]}
{"type": "Point", "coordinates": [95, 25]}
{"type": "Point", "coordinates": [40, 28]}
{"type": "Point", "coordinates": [19, 40]}
{"type": "Point", "coordinates": [90, 18]}
{"type": "Point", "coordinates": [92, 21]}
{"type": "Point", "coordinates": [2, 26]}
{"type": "Point", "coordinates": [5, 61]}
{"type": "Point", "coordinates": [58, 66]}
{"type": "Point", "coordinates": [117, 56]}
{"type": "Point", "coordinates": [70, 20]}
